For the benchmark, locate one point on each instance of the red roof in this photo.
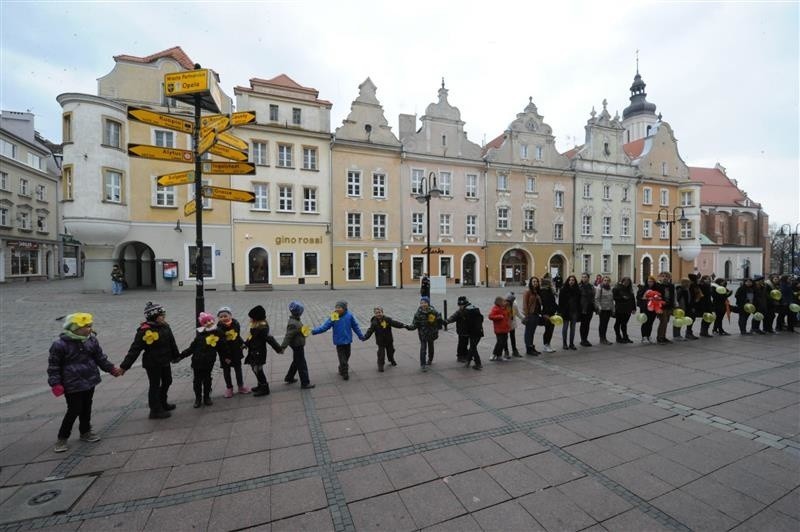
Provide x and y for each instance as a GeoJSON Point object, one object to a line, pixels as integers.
{"type": "Point", "coordinates": [176, 53]}
{"type": "Point", "coordinates": [494, 144]}
{"type": "Point", "coordinates": [569, 154]}
{"type": "Point", "coordinates": [634, 149]}
{"type": "Point", "coordinates": [718, 188]}
{"type": "Point", "coordinates": [283, 81]}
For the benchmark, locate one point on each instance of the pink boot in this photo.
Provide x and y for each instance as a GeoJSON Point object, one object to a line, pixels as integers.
{"type": "Point", "coordinates": [244, 389]}
{"type": "Point", "coordinates": [228, 393]}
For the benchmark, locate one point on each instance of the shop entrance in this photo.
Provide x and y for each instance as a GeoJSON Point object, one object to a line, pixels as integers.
{"type": "Point", "coordinates": [385, 269]}
{"type": "Point", "coordinates": [514, 267]}
{"type": "Point", "coordinates": [258, 265]}
{"type": "Point", "coordinates": [137, 261]}
{"type": "Point", "coordinates": [468, 265]}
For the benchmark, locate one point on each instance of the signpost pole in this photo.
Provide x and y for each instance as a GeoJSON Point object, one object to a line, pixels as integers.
{"type": "Point", "coordinates": [199, 305]}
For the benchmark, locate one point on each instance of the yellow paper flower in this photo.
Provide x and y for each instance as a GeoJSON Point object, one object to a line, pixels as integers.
{"type": "Point", "coordinates": [80, 319]}
{"type": "Point", "coordinates": [212, 340]}
{"type": "Point", "coordinates": [384, 324]}
{"type": "Point", "coordinates": [150, 337]}
{"type": "Point", "coordinates": [305, 330]}
{"type": "Point", "coordinates": [431, 318]}
{"type": "Point", "coordinates": [231, 335]}
{"type": "Point", "coordinates": [334, 316]}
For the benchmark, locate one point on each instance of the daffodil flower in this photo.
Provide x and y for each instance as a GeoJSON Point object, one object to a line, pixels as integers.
{"type": "Point", "coordinates": [334, 316]}
{"type": "Point", "coordinates": [231, 335]}
{"type": "Point", "coordinates": [212, 340]}
{"type": "Point", "coordinates": [150, 337]}
{"type": "Point", "coordinates": [305, 330]}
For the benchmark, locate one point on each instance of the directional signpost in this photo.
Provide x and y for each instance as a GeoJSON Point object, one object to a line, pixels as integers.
{"type": "Point", "coordinates": [229, 168]}
{"type": "Point", "coordinates": [206, 141]}
{"type": "Point", "coordinates": [228, 153]}
{"type": "Point", "coordinates": [176, 178]}
{"type": "Point", "coordinates": [229, 194]}
{"type": "Point", "coordinates": [188, 209]}
{"type": "Point", "coordinates": [157, 152]}
{"type": "Point", "coordinates": [160, 120]}
{"type": "Point", "coordinates": [233, 140]}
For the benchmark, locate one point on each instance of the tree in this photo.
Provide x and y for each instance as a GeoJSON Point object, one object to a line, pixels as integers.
{"type": "Point", "coordinates": [781, 246]}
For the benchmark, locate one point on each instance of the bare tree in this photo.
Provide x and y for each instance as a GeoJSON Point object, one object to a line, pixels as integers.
{"type": "Point", "coordinates": [781, 246]}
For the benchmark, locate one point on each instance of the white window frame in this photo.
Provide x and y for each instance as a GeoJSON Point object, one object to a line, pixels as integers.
{"type": "Point", "coordinates": [529, 219]}
{"type": "Point", "coordinates": [606, 192]}
{"type": "Point", "coordinates": [523, 151]}
{"type": "Point", "coordinates": [354, 183]}
{"type": "Point", "coordinates": [108, 139]}
{"type": "Point", "coordinates": [452, 266]}
{"type": "Point", "coordinates": [274, 112]}
{"type": "Point", "coordinates": [687, 198]}
{"type": "Point", "coordinates": [586, 225]}
{"type": "Point", "coordinates": [189, 261]}
{"type": "Point", "coordinates": [305, 272]}
{"type": "Point", "coordinates": [625, 226]}
{"type": "Point", "coordinates": [502, 182]}
{"type": "Point", "coordinates": [111, 187]}
{"type": "Point", "coordinates": [445, 183]}
{"type": "Point", "coordinates": [647, 196]}
{"type": "Point", "coordinates": [687, 231]}
{"type": "Point", "coordinates": [606, 225]}
{"type": "Point", "coordinates": [471, 226]}
{"type": "Point", "coordinates": [626, 193]}
{"type": "Point", "coordinates": [360, 255]}
{"type": "Point", "coordinates": [445, 224]}
{"type": "Point", "coordinates": [35, 161]}
{"type": "Point", "coordinates": [24, 220]}
{"type": "Point", "coordinates": [380, 223]}
{"type": "Point", "coordinates": [379, 185]}
{"type": "Point", "coordinates": [647, 228]}
{"type": "Point", "coordinates": [3, 180]}
{"type": "Point", "coordinates": [416, 180]}
{"type": "Point", "coordinates": [587, 190]}
{"type": "Point", "coordinates": [310, 158]}
{"type": "Point", "coordinates": [539, 153]}
{"type": "Point", "coordinates": [285, 200]}
{"type": "Point", "coordinates": [310, 202]}
{"type": "Point", "coordinates": [9, 149]}
{"type": "Point", "coordinates": [161, 136]}
{"type": "Point", "coordinates": [164, 193]}
{"type": "Point", "coordinates": [41, 192]}
{"type": "Point", "coordinates": [297, 116]}
{"type": "Point", "coordinates": [5, 216]}
{"type": "Point", "coordinates": [285, 155]}
{"type": "Point", "coordinates": [663, 231]}
{"type": "Point", "coordinates": [558, 231]}
{"type": "Point", "coordinates": [261, 199]}
{"type": "Point", "coordinates": [605, 263]}
{"type": "Point", "coordinates": [504, 218]}
{"type": "Point", "coordinates": [24, 187]}
{"type": "Point", "coordinates": [586, 263]}
{"type": "Point", "coordinates": [530, 184]}
{"type": "Point", "coordinates": [259, 154]}
{"type": "Point", "coordinates": [294, 265]}
{"type": "Point", "coordinates": [472, 186]}
{"type": "Point", "coordinates": [663, 264]}
{"type": "Point", "coordinates": [664, 197]}
{"type": "Point", "coordinates": [417, 223]}
{"type": "Point", "coordinates": [558, 199]}
{"type": "Point", "coordinates": [424, 259]}
{"type": "Point", "coordinates": [41, 223]}
{"type": "Point", "coordinates": [354, 225]}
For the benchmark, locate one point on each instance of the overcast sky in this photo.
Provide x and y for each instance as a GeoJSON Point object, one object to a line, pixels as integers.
{"type": "Point", "coordinates": [724, 75]}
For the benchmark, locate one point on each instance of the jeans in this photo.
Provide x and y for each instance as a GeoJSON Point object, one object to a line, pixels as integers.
{"type": "Point", "coordinates": [501, 344]}
{"type": "Point", "coordinates": [425, 352]}
{"type": "Point", "coordinates": [343, 352]}
{"type": "Point", "coordinates": [530, 330]}
{"type": "Point", "coordinates": [226, 373]}
{"type": "Point", "coordinates": [79, 406]}
{"type": "Point", "coordinates": [202, 382]}
{"type": "Point", "coordinates": [605, 317]}
{"type": "Point", "coordinates": [160, 379]}
{"type": "Point", "coordinates": [647, 327]}
{"type": "Point", "coordinates": [569, 324]}
{"type": "Point", "coordinates": [462, 350]}
{"type": "Point", "coordinates": [299, 365]}
{"type": "Point", "coordinates": [387, 352]}
{"type": "Point", "coordinates": [116, 287]}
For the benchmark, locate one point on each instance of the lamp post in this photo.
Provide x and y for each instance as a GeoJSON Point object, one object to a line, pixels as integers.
{"type": "Point", "coordinates": [428, 190]}
{"type": "Point", "coordinates": [782, 233]}
{"type": "Point", "coordinates": [666, 221]}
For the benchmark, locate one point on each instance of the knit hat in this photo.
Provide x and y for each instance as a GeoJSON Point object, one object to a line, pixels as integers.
{"type": "Point", "coordinates": [204, 318]}
{"type": "Point", "coordinates": [257, 313]}
{"type": "Point", "coordinates": [77, 320]}
{"type": "Point", "coordinates": [426, 299]}
{"type": "Point", "coordinates": [342, 304]}
{"type": "Point", "coordinates": [296, 308]}
{"type": "Point", "coordinates": [153, 310]}
{"type": "Point", "coordinates": [462, 300]}
{"type": "Point", "coordinates": [510, 296]}
{"type": "Point", "coordinates": [224, 309]}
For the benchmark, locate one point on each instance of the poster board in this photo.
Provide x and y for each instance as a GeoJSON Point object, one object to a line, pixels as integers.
{"type": "Point", "coordinates": [438, 285]}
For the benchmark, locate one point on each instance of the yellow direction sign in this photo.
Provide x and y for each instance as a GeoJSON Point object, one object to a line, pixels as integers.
{"type": "Point", "coordinates": [164, 154]}
{"type": "Point", "coordinates": [243, 117]}
{"type": "Point", "coordinates": [233, 140]}
{"type": "Point", "coordinates": [160, 120]}
{"type": "Point", "coordinates": [188, 82]}
{"type": "Point", "coordinates": [214, 122]}
{"type": "Point", "coordinates": [206, 141]}
{"type": "Point", "coordinates": [190, 208]}
{"type": "Point", "coordinates": [228, 153]}
{"type": "Point", "coordinates": [177, 178]}
{"type": "Point", "coordinates": [229, 194]}
{"type": "Point", "coordinates": [229, 168]}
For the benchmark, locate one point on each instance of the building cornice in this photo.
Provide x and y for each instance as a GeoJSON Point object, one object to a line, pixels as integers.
{"type": "Point", "coordinates": [69, 97]}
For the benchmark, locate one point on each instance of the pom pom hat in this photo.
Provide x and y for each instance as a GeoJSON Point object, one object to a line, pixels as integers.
{"type": "Point", "coordinates": [204, 318]}
{"type": "Point", "coordinates": [296, 308]}
{"type": "Point", "coordinates": [257, 313]}
{"type": "Point", "coordinates": [153, 310]}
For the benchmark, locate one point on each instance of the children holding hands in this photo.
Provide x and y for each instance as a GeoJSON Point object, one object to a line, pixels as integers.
{"type": "Point", "coordinates": [381, 326]}
{"type": "Point", "coordinates": [256, 345]}
{"type": "Point", "coordinates": [427, 321]}
{"type": "Point", "coordinates": [344, 325]}
{"type": "Point", "coordinates": [295, 338]}
{"type": "Point", "coordinates": [203, 350]}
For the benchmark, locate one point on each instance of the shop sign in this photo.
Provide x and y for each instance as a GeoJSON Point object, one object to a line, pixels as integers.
{"type": "Point", "coordinates": [297, 240]}
{"type": "Point", "coordinates": [434, 251]}
{"type": "Point", "coordinates": [22, 244]}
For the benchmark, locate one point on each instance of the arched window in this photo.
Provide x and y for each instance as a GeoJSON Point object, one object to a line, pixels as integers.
{"type": "Point", "coordinates": [663, 264]}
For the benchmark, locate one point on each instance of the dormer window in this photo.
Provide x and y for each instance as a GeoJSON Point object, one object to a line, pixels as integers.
{"type": "Point", "coordinates": [606, 149]}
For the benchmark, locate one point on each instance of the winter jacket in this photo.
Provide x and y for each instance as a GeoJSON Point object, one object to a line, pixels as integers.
{"type": "Point", "coordinates": [587, 298]}
{"type": "Point", "coordinates": [157, 342]}
{"type": "Point", "coordinates": [203, 349]}
{"type": "Point", "coordinates": [427, 323]}
{"type": "Point", "coordinates": [720, 299]}
{"type": "Point", "coordinates": [682, 297]}
{"type": "Point", "coordinates": [705, 304]}
{"type": "Point", "coordinates": [231, 343]}
{"type": "Point", "coordinates": [501, 319]}
{"type": "Point", "coordinates": [343, 329]}
{"type": "Point", "coordinates": [531, 304]}
{"type": "Point", "coordinates": [624, 300]}
{"type": "Point", "coordinates": [569, 302]}
{"type": "Point", "coordinates": [667, 291]}
{"type": "Point", "coordinates": [257, 342]}
{"type": "Point", "coordinates": [603, 298]}
{"type": "Point", "coordinates": [73, 364]}
{"type": "Point", "coordinates": [294, 336]}
{"type": "Point", "coordinates": [760, 297]}
{"type": "Point", "coordinates": [513, 314]}
{"type": "Point", "coordinates": [548, 299]}
{"type": "Point", "coordinates": [382, 329]}
{"type": "Point", "coordinates": [469, 321]}
{"type": "Point", "coordinates": [744, 296]}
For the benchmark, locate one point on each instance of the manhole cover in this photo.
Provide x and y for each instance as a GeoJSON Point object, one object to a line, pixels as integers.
{"type": "Point", "coordinates": [43, 499]}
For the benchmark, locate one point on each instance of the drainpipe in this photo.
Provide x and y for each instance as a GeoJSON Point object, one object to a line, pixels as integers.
{"type": "Point", "coordinates": [330, 201]}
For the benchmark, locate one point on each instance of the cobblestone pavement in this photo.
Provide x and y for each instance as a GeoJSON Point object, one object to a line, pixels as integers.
{"type": "Point", "coordinates": [701, 435]}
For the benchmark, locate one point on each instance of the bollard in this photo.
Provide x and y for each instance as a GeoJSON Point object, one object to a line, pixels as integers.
{"type": "Point", "coordinates": [444, 314]}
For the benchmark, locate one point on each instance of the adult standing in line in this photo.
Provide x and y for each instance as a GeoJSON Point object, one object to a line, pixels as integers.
{"type": "Point", "coordinates": [569, 304]}
{"type": "Point", "coordinates": [647, 326]}
{"type": "Point", "coordinates": [532, 309]}
{"type": "Point", "coordinates": [586, 308]}
{"type": "Point", "coordinates": [665, 287]}
{"type": "Point", "coordinates": [624, 306]}
{"type": "Point", "coordinates": [549, 309]}
{"type": "Point", "coordinates": [604, 303]}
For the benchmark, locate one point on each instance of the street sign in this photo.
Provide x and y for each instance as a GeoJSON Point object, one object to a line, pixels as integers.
{"type": "Point", "coordinates": [229, 168]}
{"type": "Point", "coordinates": [177, 178]}
{"type": "Point", "coordinates": [243, 117]}
{"type": "Point", "coordinates": [164, 154]}
{"type": "Point", "coordinates": [214, 122]}
{"type": "Point", "coordinates": [233, 140]}
{"type": "Point", "coordinates": [188, 82]}
{"type": "Point", "coordinates": [160, 120]}
{"type": "Point", "coordinates": [206, 141]}
{"type": "Point", "coordinates": [190, 208]}
{"type": "Point", "coordinates": [228, 153]}
{"type": "Point", "coordinates": [229, 194]}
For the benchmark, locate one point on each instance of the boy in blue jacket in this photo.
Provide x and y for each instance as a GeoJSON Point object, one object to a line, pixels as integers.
{"type": "Point", "coordinates": [344, 324]}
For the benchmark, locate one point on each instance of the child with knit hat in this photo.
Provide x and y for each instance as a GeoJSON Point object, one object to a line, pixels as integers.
{"type": "Point", "coordinates": [427, 321]}
{"type": "Point", "coordinates": [381, 325]}
{"type": "Point", "coordinates": [230, 350]}
{"type": "Point", "coordinates": [256, 345]}
{"type": "Point", "coordinates": [203, 350]}
{"type": "Point", "coordinates": [72, 372]}
{"type": "Point", "coordinates": [344, 324]}
{"type": "Point", "coordinates": [295, 338]}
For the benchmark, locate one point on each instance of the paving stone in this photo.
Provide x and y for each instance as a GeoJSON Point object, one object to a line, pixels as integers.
{"type": "Point", "coordinates": [507, 516]}
{"type": "Point", "coordinates": [665, 469]}
{"type": "Point", "coordinates": [386, 512]}
{"type": "Point", "coordinates": [638, 481]}
{"type": "Point", "coordinates": [634, 520]}
{"type": "Point", "coordinates": [202, 451]}
{"type": "Point", "coordinates": [297, 497]}
{"type": "Point", "coordinates": [476, 489]}
{"type": "Point", "coordinates": [291, 458]}
{"type": "Point", "coordinates": [746, 482]}
{"type": "Point", "coordinates": [189, 474]}
{"type": "Point", "coordinates": [135, 485]}
{"type": "Point", "coordinates": [789, 504]}
{"type": "Point", "coordinates": [192, 515]}
{"type": "Point", "coordinates": [409, 470]}
{"type": "Point", "coordinates": [551, 468]}
{"type": "Point", "coordinates": [152, 458]}
{"type": "Point", "coordinates": [485, 452]}
{"type": "Point", "coordinates": [770, 520]}
{"type": "Point", "coordinates": [519, 445]}
{"type": "Point", "coordinates": [554, 511]}
{"type": "Point", "coordinates": [595, 499]}
{"type": "Point", "coordinates": [559, 435]}
{"type": "Point", "coordinates": [364, 482]}
{"type": "Point", "coordinates": [243, 467]}
{"type": "Point", "coordinates": [124, 522]}
{"type": "Point", "coordinates": [385, 440]}
{"type": "Point", "coordinates": [350, 447]}
{"type": "Point", "coordinates": [594, 455]}
{"type": "Point", "coordinates": [422, 432]}
{"type": "Point", "coordinates": [516, 478]}
{"type": "Point", "coordinates": [239, 510]}
{"type": "Point", "coordinates": [318, 521]}
{"type": "Point", "coordinates": [431, 503]}
{"type": "Point", "coordinates": [692, 512]}
{"type": "Point", "coordinates": [465, 523]}
{"type": "Point", "coordinates": [449, 460]}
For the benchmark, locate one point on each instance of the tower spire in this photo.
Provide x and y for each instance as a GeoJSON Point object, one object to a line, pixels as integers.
{"type": "Point", "coordinates": [637, 60]}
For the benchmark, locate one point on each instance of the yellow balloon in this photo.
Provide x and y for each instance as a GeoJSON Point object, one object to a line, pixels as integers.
{"type": "Point", "coordinates": [678, 313]}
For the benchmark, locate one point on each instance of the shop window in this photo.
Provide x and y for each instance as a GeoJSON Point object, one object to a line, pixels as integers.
{"type": "Point", "coordinates": [354, 271]}
{"type": "Point", "coordinates": [286, 264]}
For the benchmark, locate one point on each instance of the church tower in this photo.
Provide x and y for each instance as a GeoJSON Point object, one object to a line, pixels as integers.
{"type": "Point", "coordinates": [639, 118]}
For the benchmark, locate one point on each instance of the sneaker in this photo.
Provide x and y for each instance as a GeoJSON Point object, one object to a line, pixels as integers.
{"type": "Point", "coordinates": [244, 389]}
{"type": "Point", "coordinates": [548, 349]}
{"type": "Point", "coordinates": [507, 357]}
{"type": "Point", "coordinates": [90, 437]}
{"type": "Point", "coordinates": [61, 446]}
{"type": "Point", "coordinates": [424, 369]}
{"type": "Point", "coordinates": [262, 390]}
{"type": "Point", "coordinates": [159, 414]}
{"type": "Point", "coordinates": [477, 367]}
{"type": "Point", "coordinates": [572, 347]}
{"type": "Point", "coordinates": [646, 340]}
{"type": "Point", "coordinates": [308, 386]}
{"type": "Point", "coordinates": [494, 358]}
{"type": "Point", "coordinates": [228, 393]}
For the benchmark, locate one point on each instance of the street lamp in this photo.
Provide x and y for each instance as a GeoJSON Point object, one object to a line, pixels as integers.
{"type": "Point", "coordinates": [426, 192]}
{"type": "Point", "coordinates": [782, 233]}
{"type": "Point", "coordinates": [666, 221]}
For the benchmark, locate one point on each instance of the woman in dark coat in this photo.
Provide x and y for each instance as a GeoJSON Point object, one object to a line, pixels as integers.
{"type": "Point", "coordinates": [569, 306]}
{"type": "Point", "coordinates": [721, 304]}
{"type": "Point", "coordinates": [549, 309]}
{"type": "Point", "coordinates": [744, 294]}
{"type": "Point", "coordinates": [624, 306]}
{"type": "Point", "coordinates": [647, 326]}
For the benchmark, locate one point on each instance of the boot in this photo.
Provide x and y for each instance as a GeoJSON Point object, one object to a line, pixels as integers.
{"type": "Point", "coordinates": [197, 401]}
{"type": "Point", "coordinates": [159, 414]}
{"type": "Point", "coordinates": [167, 406]}
{"type": "Point", "coordinates": [207, 400]}
{"type": "Point", "coordinates": [261, 390]}
{"type": "Point", "coordinates": [380, 368]}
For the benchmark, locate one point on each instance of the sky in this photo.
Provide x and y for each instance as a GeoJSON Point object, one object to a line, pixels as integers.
{"type": "Point", "coordinates": [725, 75]}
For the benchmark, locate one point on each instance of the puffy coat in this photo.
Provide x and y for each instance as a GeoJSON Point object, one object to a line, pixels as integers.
{"type": "Point", "coordinates": [501, 319]}
{"type": "Point", "coordinates": [624, 300]}
{"type": "Point", "coordinates": [469, 321]}
{"type": "Point", "coordinates": [157, 342]}
{"type": "Point", "coordinates": [231, 344]}
{"type": "Point", "coordinates": [294, 336]}
{"type": "Point", "coordinates": [257, 342]}
{"type": "Point", "coordinates": [744, 296]}
{"type": "Point", "coordinates": [382, 329]}
{"type": "Point", "coordinates": [73, 364]}
{"type": "Point", "coordinates": [586, 298]}
{"type": "Point", "coordinates": [343, 329]}
{"type": "Point", "coordinates": [603, 298]}
{"type": "Point", "coordinates": [427, 323]}
{"type": "Point", "coordinates": [569, 302]}
{"type": "Point", "coordinates": [548, 298]}
{"type": "Point", "coordinates": [203, 349]}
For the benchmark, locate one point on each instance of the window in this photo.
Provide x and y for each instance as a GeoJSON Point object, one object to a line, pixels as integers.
{"type": "Point", "coordinates": [606, 192]}
{"type": "Point", "coordinates": [24, 220]}
{"type": "Point", "coordinates": [296, 113]}
{"type": "Point", "coordinates": [285, 155]}
{"type": "Point", "coordinates": [606, 264]}
{"type": "Point", "coordinates": [523, 151]}
{"type": "Point", "coordinates": [606, 226]}
{"type": "Point", "coordinates": [472, 225]}
{"type": "Point", "coordinates": [354, 183]}
{"type": "Point", "coordinates": [165, 139]}
{"type": "Point", "coordinates": [163, 196]}
{"type": "Point", "coordinates": [379, 226]}
{"type": "Point", "coordinates": [259, 153]}
{"type": "Point", "coordinates": [416, 180]}
{"type": "Point", "coordinates": [530, 185]}
{"type": "Point", "coordinates": [208, 262]}
{"type": "Point", "coordinates": [66, 127]}
{"type": "Point", "coordinates": [24, 187]}
{"type": "Point", "coordinates": [558, 202]}
{"type": "Point", "coordinates": [24, 261]}
{"type": "Point", "coordinates": [586, 261]}
{"type": "Point", "coordinates": [309, 199]}
{"type": "Point", "coordinates": [41, 192]}
{"type": "Point", "coordinates": [529, 219]}
{"type": "Point", "coordinates": [3, 180]}
{"type": "Point", "coordinates": [586, 225]}
{"type": "Point", "coordinates": [206, 200]}
{"type": "Point", "coordinates": [8, 149]}
{"type": "Point", "coordinates": [5, 215]}
{"type": "Point", "coordinates": [686, 229]}
{"type": "Point", "coordinates": [626, 193]}
{"type": "Point", "coordinates": [444, 183]}
{"type": "Point", "coordinates": [446, 266]}
{"type": "Point", "coordinates": [444, 140]}
{"type": "Point", "coordinates": [472, 185]}
{"type": "Point", "coordinates": [309, 158]}
{"type": "Point", "coordinates": [378, 185]}
{"type": "Point", "coordinates": [502, 182]}
{"type": "Point", "coordinates": [353, 225]}
{"type": "Point", "coordinates": [41, 223]}
{"type": "Point", "coordinates": [417, 218]}
{"type": "Point", "coordinates": [663, 264]}
{"type": "Point", "coordinates": [444, 225]}
{"type": "Point", "coordinates": [286, 264]}
{"type": "Point", "coordinates": [664, 197]}
{"type": "Point", "coordinates": [647, 196]}
{"type": "Point", "coordinates": [502, 218]}
{"type": "Point", "coordinates": [663, 168]}
{"type": "Point", "coordinates": [587, 190]}
{"type": "Point", "coordinates": [539, 153]}
{"type": "Point", "coordinates": [273, 112]}
{"type": "Point", "coordinates": [686, 199]}
{"type": "Point", "coordinates": [417, 267]}
{"type": "Point", "coordinates": [66, 173]}
{"type": "Point", "coordinates": [354, 266]}
{"type": "Point", "coordinates": [285, 198]}
{"type": "Point", "coordinates": [625, 227]}
{"type": "Point", "coordinates": [35, 161]}
{"type": "Point", "coordinates": [112, 132]}
{"type": "Point", "coordinates": [663, 231]}
{"type": "Point", "coordinates": [261, 190]}
{"type": "Point", "coordinates": [310, 263]}
{"type": "Point", "coordinates": [558, 231]}
{"type": "Point", "coordinates": [647, 229]}
{"type": "Point", "coordinates": [112, 186]}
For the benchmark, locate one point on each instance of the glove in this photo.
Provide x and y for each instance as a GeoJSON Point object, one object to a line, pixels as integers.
{"type": "Point", "coordinates": [117, 372]}
{"type": "Point", "coordinates": [58, 390]}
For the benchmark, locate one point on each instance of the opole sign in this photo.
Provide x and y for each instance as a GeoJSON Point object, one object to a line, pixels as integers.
{"type": "Point", "coordinates": [189, 82]}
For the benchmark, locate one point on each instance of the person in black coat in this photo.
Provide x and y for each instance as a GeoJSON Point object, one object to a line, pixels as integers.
{"type": "Point", "coordinates": [569, 306]}
{"type": "Point", "coordinates": [624, 306]}
{"type": "Point", "coordinates": [154, 337]}
{"type": "Point", "coordinates": [230, 350]}
{"type": "Point", "coordinates": [647, 326]}
{"type": "Point", "coordinates": [203, 350]}
{"type": "Point", "coordinates": [549, 309]}
{"type": "Point", "coordinates": [469, 327]}
{"type": "Point", "coordinates": [721, 304]}
{"type": "Point", "coordinates": [425, 286]}
{"type": "Point", "coordinates": [256, 345]}
{"type": "Point", "coordinates": [665, 287]}
{"type": "Point", "coordinates": [381, 326]}
{"type": "Point", "coordinates": [586, 308]}
{"type": "Point", "coordinates": [760, 300]}
{"type": "Point", "coordinates": [704, 304]}
{"type": "Point", "coordinates": [744, 294]}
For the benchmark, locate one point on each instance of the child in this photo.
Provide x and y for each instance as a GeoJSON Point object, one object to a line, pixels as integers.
{"type": "Point", "coordinates": [204, 349]}
{"type": "Point", "coordinates": [344, 324]}
{"type": "Point", "coordinates": [469, 327]}
{"type": "Point", "coordinates": [502, 325]}
{"type": "Point", "coordinates": [381, 325]}
{"type": "Point", "coordinates": [230, 350]}
{"type": "Point", "coordinates": [155, 338]}
{"type": "Point", "coordinates": [427, 320]}
{"type": "Point", "coordinates": [256, 345]}
{"type": "Point", "coordinates": [72, 372]}
{"type": "Point", "coordinates": [514, 313]}
{"type": "Point", "coordinates": [295, 338]}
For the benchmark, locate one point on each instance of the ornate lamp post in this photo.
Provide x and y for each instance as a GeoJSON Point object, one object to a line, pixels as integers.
{"type": "Point", "coordinates": [428, 190]}
{"type": "Point", "coordinates": [661, 222]}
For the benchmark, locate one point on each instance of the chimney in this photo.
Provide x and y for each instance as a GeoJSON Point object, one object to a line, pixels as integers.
{"type": "Point", "coordinates": [408, 125]}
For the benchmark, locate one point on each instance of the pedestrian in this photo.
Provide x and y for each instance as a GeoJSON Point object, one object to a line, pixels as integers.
{"type": "Point", "coordinates": [682, 298]}
{"type": "Point", "coordinates": [501, 320]}
{"type": "Point", "coordinates": [773, 303]}
{"type": "Point", "coordinates": [381, 326]}
{"type": "Point", "coordinates": [154, 337]}
{"type": "Point", "coordinates": [469, 327]}
{"type": "Point", "coordinates": [532, 308]}
{"type": "Point", "coordinates": [295, 338]}
{"type": "Point", "coordinates": [425, 286]}
{"type": "Point", "coordinates": [426, 321]}
{"type": "Point", "coordinates": [513, 311]}
{"type": "Point", "coordinates": [230, 350]}
{"type": "Point", "coordinates": [704, 305]}
{"type": "Point", "coordinates": [624, 306]}
{"type": "Point", "coordinates": [604, 305]}
{"type": "Point", "coordinates": [549, 309]}
{"type": "Point", "coordinates": [344, 325]}
{"type": "Point", "coordinates": [745, 295]}
{"type": "Point", "coordinates": [203, 350]}
{"type": "Point", "coordinates": [72, 371]}
{"type": "Point", "coordinates": [760, 300]}
{"type": "Point", "coordinates": [256, 345]}
{"type": "Point", "coordinates": [665, 287]}
{"type": "Point", "coordinates": [569, 307]}
{"type": "Point", "coordinates": [117, 279]}
{"type": "Point", "coordinates": [586, 308]}
{"type": "Point", "coordinates": [644, 308]}
{"type": "Point", "coordinates": [721, 304]}
{"type": "Point", "coordinates": [598, 280]}
{"type": "Point", "coordinates": [558, 282]}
